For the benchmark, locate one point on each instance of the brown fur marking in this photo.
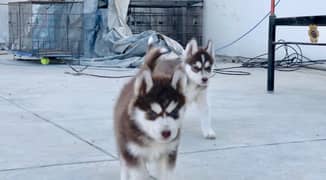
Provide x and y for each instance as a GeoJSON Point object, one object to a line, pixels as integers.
{"type": "Point", "coordinates": [125, 128]}
{"type": "Point", "coordinates": [197, 56]}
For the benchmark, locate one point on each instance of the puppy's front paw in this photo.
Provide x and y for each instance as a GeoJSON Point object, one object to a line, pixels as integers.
{"type": "Point", "coordinates": [209, 134]}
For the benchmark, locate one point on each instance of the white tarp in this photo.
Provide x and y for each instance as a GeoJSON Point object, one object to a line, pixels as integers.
{"type": "Point", "coordinates": [108, 40]}
{"type": "Point", "coordinates": [117, 16]}
{"type": "Point", "coordinates": [112, 41]}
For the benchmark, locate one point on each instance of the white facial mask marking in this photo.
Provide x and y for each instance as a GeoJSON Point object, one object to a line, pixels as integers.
{"type": "Point", "coordinates": [207, 64]}
{"type": "Point", "coordinates": [202, 58]}
{"type": "Point", "coordinates": [171, 107]}
{"type": "Point", "coordinates": [198, 64]}
{"type": "Point", "coordinates": [154, 128]}
{"type": "Point", "coordinates": [156, 108]}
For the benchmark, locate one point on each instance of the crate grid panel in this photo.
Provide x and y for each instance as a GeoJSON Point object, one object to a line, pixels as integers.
{"type": "Point", "coordinates": [178, 19]}
{"type": "Point", "coordinates": [46, 28]}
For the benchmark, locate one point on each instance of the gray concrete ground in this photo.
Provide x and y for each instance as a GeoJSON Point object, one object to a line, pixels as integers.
{"type": "Point", "coordinates": [55, 126]}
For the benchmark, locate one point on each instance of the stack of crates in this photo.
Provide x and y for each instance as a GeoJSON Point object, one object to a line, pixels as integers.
{"type": "Point", "coordinates": [181, 20]}
{"type": "Point", "coordinates": [46, 28]}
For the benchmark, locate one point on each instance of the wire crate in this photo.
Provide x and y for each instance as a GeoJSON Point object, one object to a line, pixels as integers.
{"type": "Point", "coordinates": [46, 29]}
{"type": "Point", "coordinates": [178, 19]}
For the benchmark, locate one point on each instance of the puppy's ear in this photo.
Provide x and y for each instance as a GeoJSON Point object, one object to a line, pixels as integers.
{"type": "Point", "coordinates": [191, 48]}
{"type": "Point", "coordinates": [143, 83]}
{"type": "Point", "coordinates": [210, 49]}
{"type": "Point", "coordinates": [179, 80]}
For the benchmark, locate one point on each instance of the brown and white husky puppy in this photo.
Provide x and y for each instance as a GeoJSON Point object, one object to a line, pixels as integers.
{"type": "Point", "coordinates": [148, 117]}
{"type": "Point", "coordinates": [197, 64]}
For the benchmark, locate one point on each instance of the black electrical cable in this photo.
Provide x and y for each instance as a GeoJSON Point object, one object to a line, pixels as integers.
{"type": "Point", "coordinates": [248, 32]}
{"type": "Point", "coordinates": [99, 76]}
{"type": "Point", "coordinates": [80, 72]}
{"type": "Point", "coordinates": [228, 71]}
{"type": "Point", "coordinates": [292, 60]}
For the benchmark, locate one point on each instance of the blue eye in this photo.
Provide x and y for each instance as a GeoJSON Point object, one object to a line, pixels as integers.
{"type": "Point", "coordinates": [174, 114]}
{"type": "Point", "coordinates": [195, 69]}
{"type": "Point", "coordinates": [151, 115]}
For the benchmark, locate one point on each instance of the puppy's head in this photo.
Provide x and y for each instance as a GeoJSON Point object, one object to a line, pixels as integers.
{"type": "Point", "coordinates": [199, 62]}
{"type": "Point", "coordinates": [159, 103]}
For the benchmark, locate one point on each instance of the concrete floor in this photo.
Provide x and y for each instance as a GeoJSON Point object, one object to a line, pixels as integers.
{"type": "Point", "coordinates": [55, 126]}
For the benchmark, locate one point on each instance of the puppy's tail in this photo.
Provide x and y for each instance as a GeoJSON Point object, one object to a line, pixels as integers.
{"type": "Point", "coordinates": [152, 56]}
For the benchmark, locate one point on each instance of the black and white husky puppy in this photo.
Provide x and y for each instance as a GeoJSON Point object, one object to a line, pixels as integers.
{"type": "Point", "coordinates": [148, 117]}
{"type": "Point", "coordinates": [197, 64]}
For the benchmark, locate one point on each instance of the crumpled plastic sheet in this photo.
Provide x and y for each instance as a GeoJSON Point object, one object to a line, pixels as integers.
{"type": "Point", "coordinates": [117, 51]}
{"type": "Point", "coordinates": [104, 47]}
{"type": "Point", "coordinates": [105, 41]}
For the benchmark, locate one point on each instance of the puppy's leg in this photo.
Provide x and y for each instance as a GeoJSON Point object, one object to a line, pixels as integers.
{"type": "Point", "coordinates": [123, 170]}
{"type": "Point", "coordinates": [139, 172]}
{"type": "Point", "coordinates": [165, 166]}
{"type": "Point", "coordinates": [133, 168]}
{"type": "Point", "coordinates": [206, 124]}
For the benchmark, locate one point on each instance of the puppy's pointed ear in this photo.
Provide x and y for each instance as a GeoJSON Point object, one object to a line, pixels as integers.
{"type": "Point", "coordinates": [210, 49]}
{"type": "Point", "coordinates": [143, 83]}
{"type": "Point", "coordinates": [191, 48]}
{"type": "Point", "coordinates": [179, 81]}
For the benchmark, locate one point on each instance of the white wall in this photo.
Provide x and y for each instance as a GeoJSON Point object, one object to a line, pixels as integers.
{"type": "Point", "coordinates": [225, 20]}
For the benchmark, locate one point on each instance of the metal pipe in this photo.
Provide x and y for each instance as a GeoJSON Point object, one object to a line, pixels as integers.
{"type": "Point", "coordinates": [271, 54]}
{"type": "Point", "coordinates": [272, 7]}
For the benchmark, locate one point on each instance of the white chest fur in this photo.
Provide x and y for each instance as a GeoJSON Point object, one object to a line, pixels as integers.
{"type": "Point", "coordinates": [153, 150]}
{"type": "Point", "coordinates": [192, 92]}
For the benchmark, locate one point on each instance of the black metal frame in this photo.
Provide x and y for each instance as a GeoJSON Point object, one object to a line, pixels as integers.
{"type": "Point", "coordinates": [164, 4]}
{"type": "Point", "coordinates": [180, 20]}
{"type": "Point", "coordinates": [287, 21]}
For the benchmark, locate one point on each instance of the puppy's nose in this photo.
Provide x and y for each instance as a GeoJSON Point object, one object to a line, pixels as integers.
{"type": "Point", "coordinates": [204, 80]}
{"type": "Point", "coordinates": [166, 134]}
